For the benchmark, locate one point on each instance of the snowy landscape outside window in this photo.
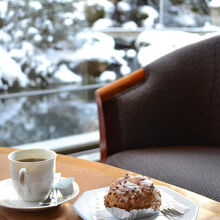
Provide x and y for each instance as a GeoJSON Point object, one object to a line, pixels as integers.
{"type": "Point", "coordinates": [55, 53]}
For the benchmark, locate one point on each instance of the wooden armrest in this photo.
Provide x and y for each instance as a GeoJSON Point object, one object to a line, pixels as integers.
{"type": "Point", "coordinates": [109, 91]}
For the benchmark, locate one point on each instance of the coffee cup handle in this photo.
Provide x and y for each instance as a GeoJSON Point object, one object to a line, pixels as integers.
{"type": "Point", "coordinates": [22, 176]}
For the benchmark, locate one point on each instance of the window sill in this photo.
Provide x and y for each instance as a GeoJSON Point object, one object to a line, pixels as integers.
{"type": "Point", "coordinates": [67, 145]}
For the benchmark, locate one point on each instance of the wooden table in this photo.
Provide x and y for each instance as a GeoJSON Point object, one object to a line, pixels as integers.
{"type": "Point", "coordinates": [91, 175]}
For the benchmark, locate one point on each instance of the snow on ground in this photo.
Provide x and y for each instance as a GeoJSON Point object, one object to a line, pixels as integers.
{"type": "Point", "coordinates": [94, 46]}
{"type": "Point", "coordinates": [151, 53]}
{"type": "Point", "coordinates": [79, 13]}
{"type": "Point", "coordinates": [27, 49]}
{"type": "Point", "coordinates": [118, 55]}
{"type": "Point", "coordinates": [10, 70]}
{"type": "Point", "coordinates": [129, 25]}
{"type": "Point", "coordinates": [125, 70]}
{"type": "Point", "coordinates": [148, 10]}
{"type": "Point", "coordinates": [103, 23]}
{"type": "Point", "coordinates": [16, 53]}
{"type": "Point", "coordinates": [189, 21]}
{"type": "Point", "coordinates": [89, 38]}
{"type": "Point", "coordinates": [157, 43]}
{"type": "Point", "coordinates": [152, 15]}
{"type": "Point", "coordinates": [35, 5]}
{"type": "Point", "coordinates": [3, 8]}
{"type": "Point", "coordinates": [41, 65]}
{"type": "Point", "coordinates": [214, 3]}
{"type": "Point", "coordinates": [4, 37]}
{"type": "Point", "coordinates": [150, 44]}
{"type": "Point", "coordinates": [107, 76]}
{"type": "Point", "coordinates": [64, 74]}
{"type": "Point", "coordinates": [131, 53]}
{"type": "Point", "coordinates": [168, 38]}
{"type": "Point", "coordinates": [124, 7]}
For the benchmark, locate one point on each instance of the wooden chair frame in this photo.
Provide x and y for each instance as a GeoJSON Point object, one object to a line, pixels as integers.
{"type": "Point", "coordinates": [108, 92]}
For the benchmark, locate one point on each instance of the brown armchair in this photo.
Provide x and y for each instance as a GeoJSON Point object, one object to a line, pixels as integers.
{"type": "Point", "coordinates": [163, 120]}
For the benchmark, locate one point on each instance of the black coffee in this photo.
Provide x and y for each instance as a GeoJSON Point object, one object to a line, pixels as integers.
{"type": "Point", "coordinates": [32, 160]}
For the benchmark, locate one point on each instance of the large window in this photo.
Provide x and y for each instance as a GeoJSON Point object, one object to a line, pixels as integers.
{"type": "Point", "coordinates": [55, 53]}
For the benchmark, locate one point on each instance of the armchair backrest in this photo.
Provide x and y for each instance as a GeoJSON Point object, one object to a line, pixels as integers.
{"type": "Point", "coordinates": [172, 101]}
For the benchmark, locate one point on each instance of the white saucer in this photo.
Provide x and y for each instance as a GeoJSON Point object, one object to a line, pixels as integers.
{"type": "Point", "coordinates": [10, 199]}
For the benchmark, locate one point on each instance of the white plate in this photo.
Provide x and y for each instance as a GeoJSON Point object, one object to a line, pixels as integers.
{"type": "Point", "coordinates": [86, 205]}
{"type": "Point", "coordinates": [10, 199]}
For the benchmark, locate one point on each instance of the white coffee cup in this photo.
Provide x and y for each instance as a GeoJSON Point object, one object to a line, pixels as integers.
{"type": "Point", "coordinates": [32, 180]}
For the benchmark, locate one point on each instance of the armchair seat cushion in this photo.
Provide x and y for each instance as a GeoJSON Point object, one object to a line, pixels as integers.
{"type": "Point", "coordinates": [194, 168]}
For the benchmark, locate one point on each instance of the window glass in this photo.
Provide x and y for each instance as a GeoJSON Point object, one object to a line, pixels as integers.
{"type": "Point", "coordinates": [55, 53]}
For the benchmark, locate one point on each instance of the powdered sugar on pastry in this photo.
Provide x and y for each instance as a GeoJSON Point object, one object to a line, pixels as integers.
{"type": "Point", "coordinates": [133, 192]}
